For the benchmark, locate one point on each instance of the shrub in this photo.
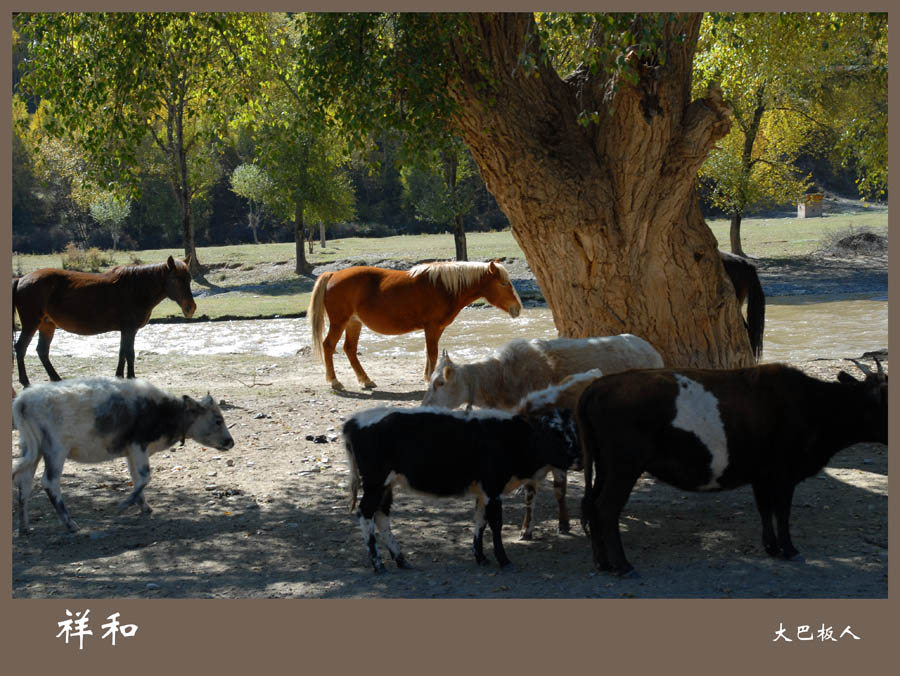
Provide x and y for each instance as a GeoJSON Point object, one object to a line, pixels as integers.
{"type": "Point", "coordinates": [91, 260]}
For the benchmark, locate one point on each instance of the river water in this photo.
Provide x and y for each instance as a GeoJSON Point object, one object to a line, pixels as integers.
{"type": "Point", "coordinates": [798, 328]}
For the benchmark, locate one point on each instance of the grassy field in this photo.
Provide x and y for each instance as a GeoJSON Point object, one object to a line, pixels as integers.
{"type": "Point", "coordinates": [250, 280]}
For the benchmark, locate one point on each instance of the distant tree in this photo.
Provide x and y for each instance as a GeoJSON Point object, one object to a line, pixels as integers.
{"type": "Point", "coordinates": [115, 78]}
{"type": "Point", "coordinates": [254, 185]}
{"type": "Point", "coordinates": [441, 185]}
{"type": "Point", "coordinates": [297, 143]}
{"type": "Point", "coordinates": [777, 71]}
{"type": "Point", "coordinates": [111, 211]}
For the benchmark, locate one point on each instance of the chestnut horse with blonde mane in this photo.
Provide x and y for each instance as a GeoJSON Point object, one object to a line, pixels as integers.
{"type": "Point", "coordinates": [88, 303]}
{"type": "Point", "coordinates": [428, 296]}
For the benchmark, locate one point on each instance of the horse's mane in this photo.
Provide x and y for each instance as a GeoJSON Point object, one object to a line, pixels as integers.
{"type": "Point", "coordinates": [138, 270]}
{"type": "Point", "coordinates": [455, 275]}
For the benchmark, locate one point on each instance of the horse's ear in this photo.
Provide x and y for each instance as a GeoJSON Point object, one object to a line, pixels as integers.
{"type": "Point", "coordinates": [170, 263]}
{"type": "Point", "coordinates": [447, 372]}
{"type": "Point", "coordinates": [492, 267]}
{"type": "Point", "coordinates": [187, 260]}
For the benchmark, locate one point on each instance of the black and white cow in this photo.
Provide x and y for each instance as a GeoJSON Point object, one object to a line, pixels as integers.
{"type": "Point", "coordinates": [449, 453]}
{"type": "Point", "coordinates": [706, 430]}
{"type": "Point", "coordinates": [97, 419]}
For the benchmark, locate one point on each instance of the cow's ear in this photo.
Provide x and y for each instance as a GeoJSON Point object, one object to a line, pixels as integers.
{"type": "Point", "coordinates": [189, 404]}
{"type": "Point", "coordinates": [846, 378]}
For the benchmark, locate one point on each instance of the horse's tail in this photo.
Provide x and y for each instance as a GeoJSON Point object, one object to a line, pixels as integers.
{"type": "Point", "coordinates": [756, 314]}
{"type": "Point", "coordinates": [747, 287]}
{"type": "Point", "coordinates": [316, 314]}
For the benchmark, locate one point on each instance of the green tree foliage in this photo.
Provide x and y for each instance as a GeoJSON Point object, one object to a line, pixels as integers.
{"type": "Point", "coordinates": [442, 185]}
{"type": "Point", "coordinates": [254, 185]}
{"type": "Point", "coordinates": [117, 78]}
{"type": "Point", "coordinates": [778, 71]}
{"type": "Point", "coordinates": [111, 211]}
{"type": "Point", "coordinates": [296, 142]}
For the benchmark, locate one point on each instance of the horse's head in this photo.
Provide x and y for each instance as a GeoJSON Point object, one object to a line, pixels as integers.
{"type": "Point", "coordinates": [178, 285]}
{"type": "Point", "coordinates": [499, 291]}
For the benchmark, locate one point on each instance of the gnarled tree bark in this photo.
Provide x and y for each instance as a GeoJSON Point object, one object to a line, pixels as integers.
{"type": "Point", "coordinates": [606, 214]}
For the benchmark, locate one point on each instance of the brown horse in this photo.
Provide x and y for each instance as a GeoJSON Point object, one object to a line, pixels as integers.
{"type": "Point", "coordinates": [428, 296]}
{"type": "Point", "coordinates": [747, 287]}
{"type": "Point", "coordinates": [89, 303]}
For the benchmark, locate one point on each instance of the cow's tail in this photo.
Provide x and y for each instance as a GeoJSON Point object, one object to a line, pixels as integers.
{"type": "Point", "coordinates": [354, 470]}
{"type": "Point", "coordinates": [31, 437]}
{"type": "Point", "coordinates": [316, 314]}
{"type": "Point", "coordinates": [15, 286]}
{"type": "Point", "coordinates": [756, 314]}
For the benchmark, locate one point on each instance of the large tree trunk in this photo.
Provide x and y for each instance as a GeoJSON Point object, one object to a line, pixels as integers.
{"type": "Point", "coordinates": [607, 215]}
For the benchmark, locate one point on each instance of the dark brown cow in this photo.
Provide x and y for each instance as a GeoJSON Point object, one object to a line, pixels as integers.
{"type": "Point", "coordinates": [768, 426]}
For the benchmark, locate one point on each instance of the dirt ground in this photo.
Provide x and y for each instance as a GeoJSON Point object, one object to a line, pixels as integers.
{"type": "Point", "coordinates": [270, 519]}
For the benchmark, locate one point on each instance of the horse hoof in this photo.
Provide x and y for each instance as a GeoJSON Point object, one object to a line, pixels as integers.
{"type": "Point", "coordinates": [526, 536]}
{"type": "Point", "coordinates": [629, 574]}
{"type": "Point", "coordinates": [797, 558]}
{"type": "Point", "coordinates": [507, 565]}
{"type": "Point", "coordinates": [336, 385]}
{"type": "Point", "coordinates": [404, 564]}
{"type": "Point", "coordinates": [369, 385]}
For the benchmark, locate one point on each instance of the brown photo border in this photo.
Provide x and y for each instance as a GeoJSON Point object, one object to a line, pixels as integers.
{"type": "Point", "coordinates": [440, 636]}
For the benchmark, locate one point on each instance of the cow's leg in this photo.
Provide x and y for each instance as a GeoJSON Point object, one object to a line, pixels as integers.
{"type": "Point", "coordinates": [368, 506]}
{"type": "Point", "coordinates": [139, 466]}
{"type": "Point", "coordinates": [560, 481]}
{"type": "Point", "coordinates": [609, 503]}
{"type": "Point", "coordinates": [329, 345]}
{"type": "Point", "coordinates": [784, 495]}
{"type": "Point", "coordinates": [764, 494]}
{"type": "Point", "coordinates": [135, 468]}
{"type": "Point", "coordinates": [528, 520]}
{"type": "Point", "coordinates": [478, 540]}
{"type": "Point", "coordinates": [383, 521]}
{"type": "Point", "coordinates": [45, 337]}
{"type": "Point", "coordinates": [54, 457]}
{"type": "Point", "coordinates": [351, 341]}
{"type": "Point", "coordinates": [126, 353]}
{"type": "Point", "coordinates": [23, 476]}
{"type": "Point", "coordinates": [494, 514]}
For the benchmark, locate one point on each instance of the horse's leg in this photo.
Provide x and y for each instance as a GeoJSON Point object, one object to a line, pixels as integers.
{"type": "Point", "coordinates": [25, 336]}
{"type": "Point", "coordinates": [432, 336]}
{"type": "Point", "coordinates": [45, 337]}
{"type": "Point", "coordinates": [329, 345]}
{"type": "Point", "coordinates": [351, 341]}
{"type": "Point", "coordinates": [126, 353]}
